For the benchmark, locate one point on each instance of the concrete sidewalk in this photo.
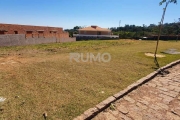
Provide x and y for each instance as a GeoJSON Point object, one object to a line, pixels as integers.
{"type": "Point", "coordinates": [158, 99]}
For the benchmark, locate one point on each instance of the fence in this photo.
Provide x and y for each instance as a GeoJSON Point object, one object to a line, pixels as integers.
{"type": "Point", "coordinates": [20, 39]}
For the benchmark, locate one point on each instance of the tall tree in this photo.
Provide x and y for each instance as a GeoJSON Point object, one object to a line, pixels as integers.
{"type": "Point", "coordinates": [160, 26]}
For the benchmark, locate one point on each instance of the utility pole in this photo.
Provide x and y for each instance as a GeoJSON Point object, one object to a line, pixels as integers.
{"type": "Point", "coordinates": [119, 27]}
{"type": "Point", "coordinates": [177, 27]}
{"type": "Point", "coordinates": [119, 23]}
{"type": "Point", "coordinates": [143, 30]}
{"type": "Point", "coordinates": [178, 24]}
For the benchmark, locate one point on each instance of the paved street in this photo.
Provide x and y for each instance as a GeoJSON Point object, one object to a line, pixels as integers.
{"type": "Point", "coordinates": [158, 99]}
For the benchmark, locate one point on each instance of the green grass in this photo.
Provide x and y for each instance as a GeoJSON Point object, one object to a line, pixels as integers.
{"type": "Point", "coordinates": [44, 79]}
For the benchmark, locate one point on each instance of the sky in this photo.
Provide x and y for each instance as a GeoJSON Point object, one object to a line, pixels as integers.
{"type": "Point", "coordinates": [70, 13]}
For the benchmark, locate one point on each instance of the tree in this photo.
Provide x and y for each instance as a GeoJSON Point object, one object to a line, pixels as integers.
{"type": "Point", "coordinates": [160, 26]}
{"type": "Point", "coordinates": [77, 27]}
{"type": "Point", "coordinates": [170, 1]}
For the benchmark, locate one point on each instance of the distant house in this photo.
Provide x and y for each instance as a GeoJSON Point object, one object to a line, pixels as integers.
{"type": "Point", "coordinates": [94, 32]}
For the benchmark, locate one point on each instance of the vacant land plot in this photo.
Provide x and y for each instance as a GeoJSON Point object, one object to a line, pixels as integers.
{"type": "Point", "coordinates": [40, 78]}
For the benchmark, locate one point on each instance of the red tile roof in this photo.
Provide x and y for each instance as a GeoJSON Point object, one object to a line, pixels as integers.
{"type": "Point", "coordinates": [94, 28]}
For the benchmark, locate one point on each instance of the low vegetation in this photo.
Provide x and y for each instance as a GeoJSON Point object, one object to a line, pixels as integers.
{"type": "Point", "coordinates": [40, 79]}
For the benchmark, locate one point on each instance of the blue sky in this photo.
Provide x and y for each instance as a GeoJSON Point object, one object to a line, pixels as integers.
{"type": "Point", "coordinates": [69, 13]}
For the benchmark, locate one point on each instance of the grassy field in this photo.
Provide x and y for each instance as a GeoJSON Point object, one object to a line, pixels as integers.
{"type": "Point", "coordinates": [40, 78]}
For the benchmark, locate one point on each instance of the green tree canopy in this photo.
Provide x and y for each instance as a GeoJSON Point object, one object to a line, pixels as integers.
{"type": "Point", "coordinates": [171, 1]}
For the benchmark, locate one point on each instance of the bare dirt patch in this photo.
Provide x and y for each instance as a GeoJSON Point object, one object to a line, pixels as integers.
{"type": "Point", "coordinates": [152, 55]}
{"type": "Point", "coordinates": [8, 62]}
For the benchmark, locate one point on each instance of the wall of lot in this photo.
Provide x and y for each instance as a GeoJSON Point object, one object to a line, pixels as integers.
{"type": "Point", "coordinates": [20, 39]}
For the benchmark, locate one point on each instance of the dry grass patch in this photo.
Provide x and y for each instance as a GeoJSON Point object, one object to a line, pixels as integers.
{"type": "Point", "coordinates": [43, 79]}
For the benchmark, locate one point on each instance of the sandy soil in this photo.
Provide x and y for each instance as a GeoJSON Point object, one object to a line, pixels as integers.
{"type": "Point", "coordinates": [152, 55]}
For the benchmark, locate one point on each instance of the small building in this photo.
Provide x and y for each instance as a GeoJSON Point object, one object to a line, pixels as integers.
{"type": "Point", "coordinates": [33, 31]}
{"type": "Point", "coordinates": [94, 32]}
{"type": "Point", "coordinates": [15, 35]}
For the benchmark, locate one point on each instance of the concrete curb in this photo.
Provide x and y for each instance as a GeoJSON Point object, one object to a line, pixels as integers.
{"type": "Point", "coordinates": [92, 112]}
